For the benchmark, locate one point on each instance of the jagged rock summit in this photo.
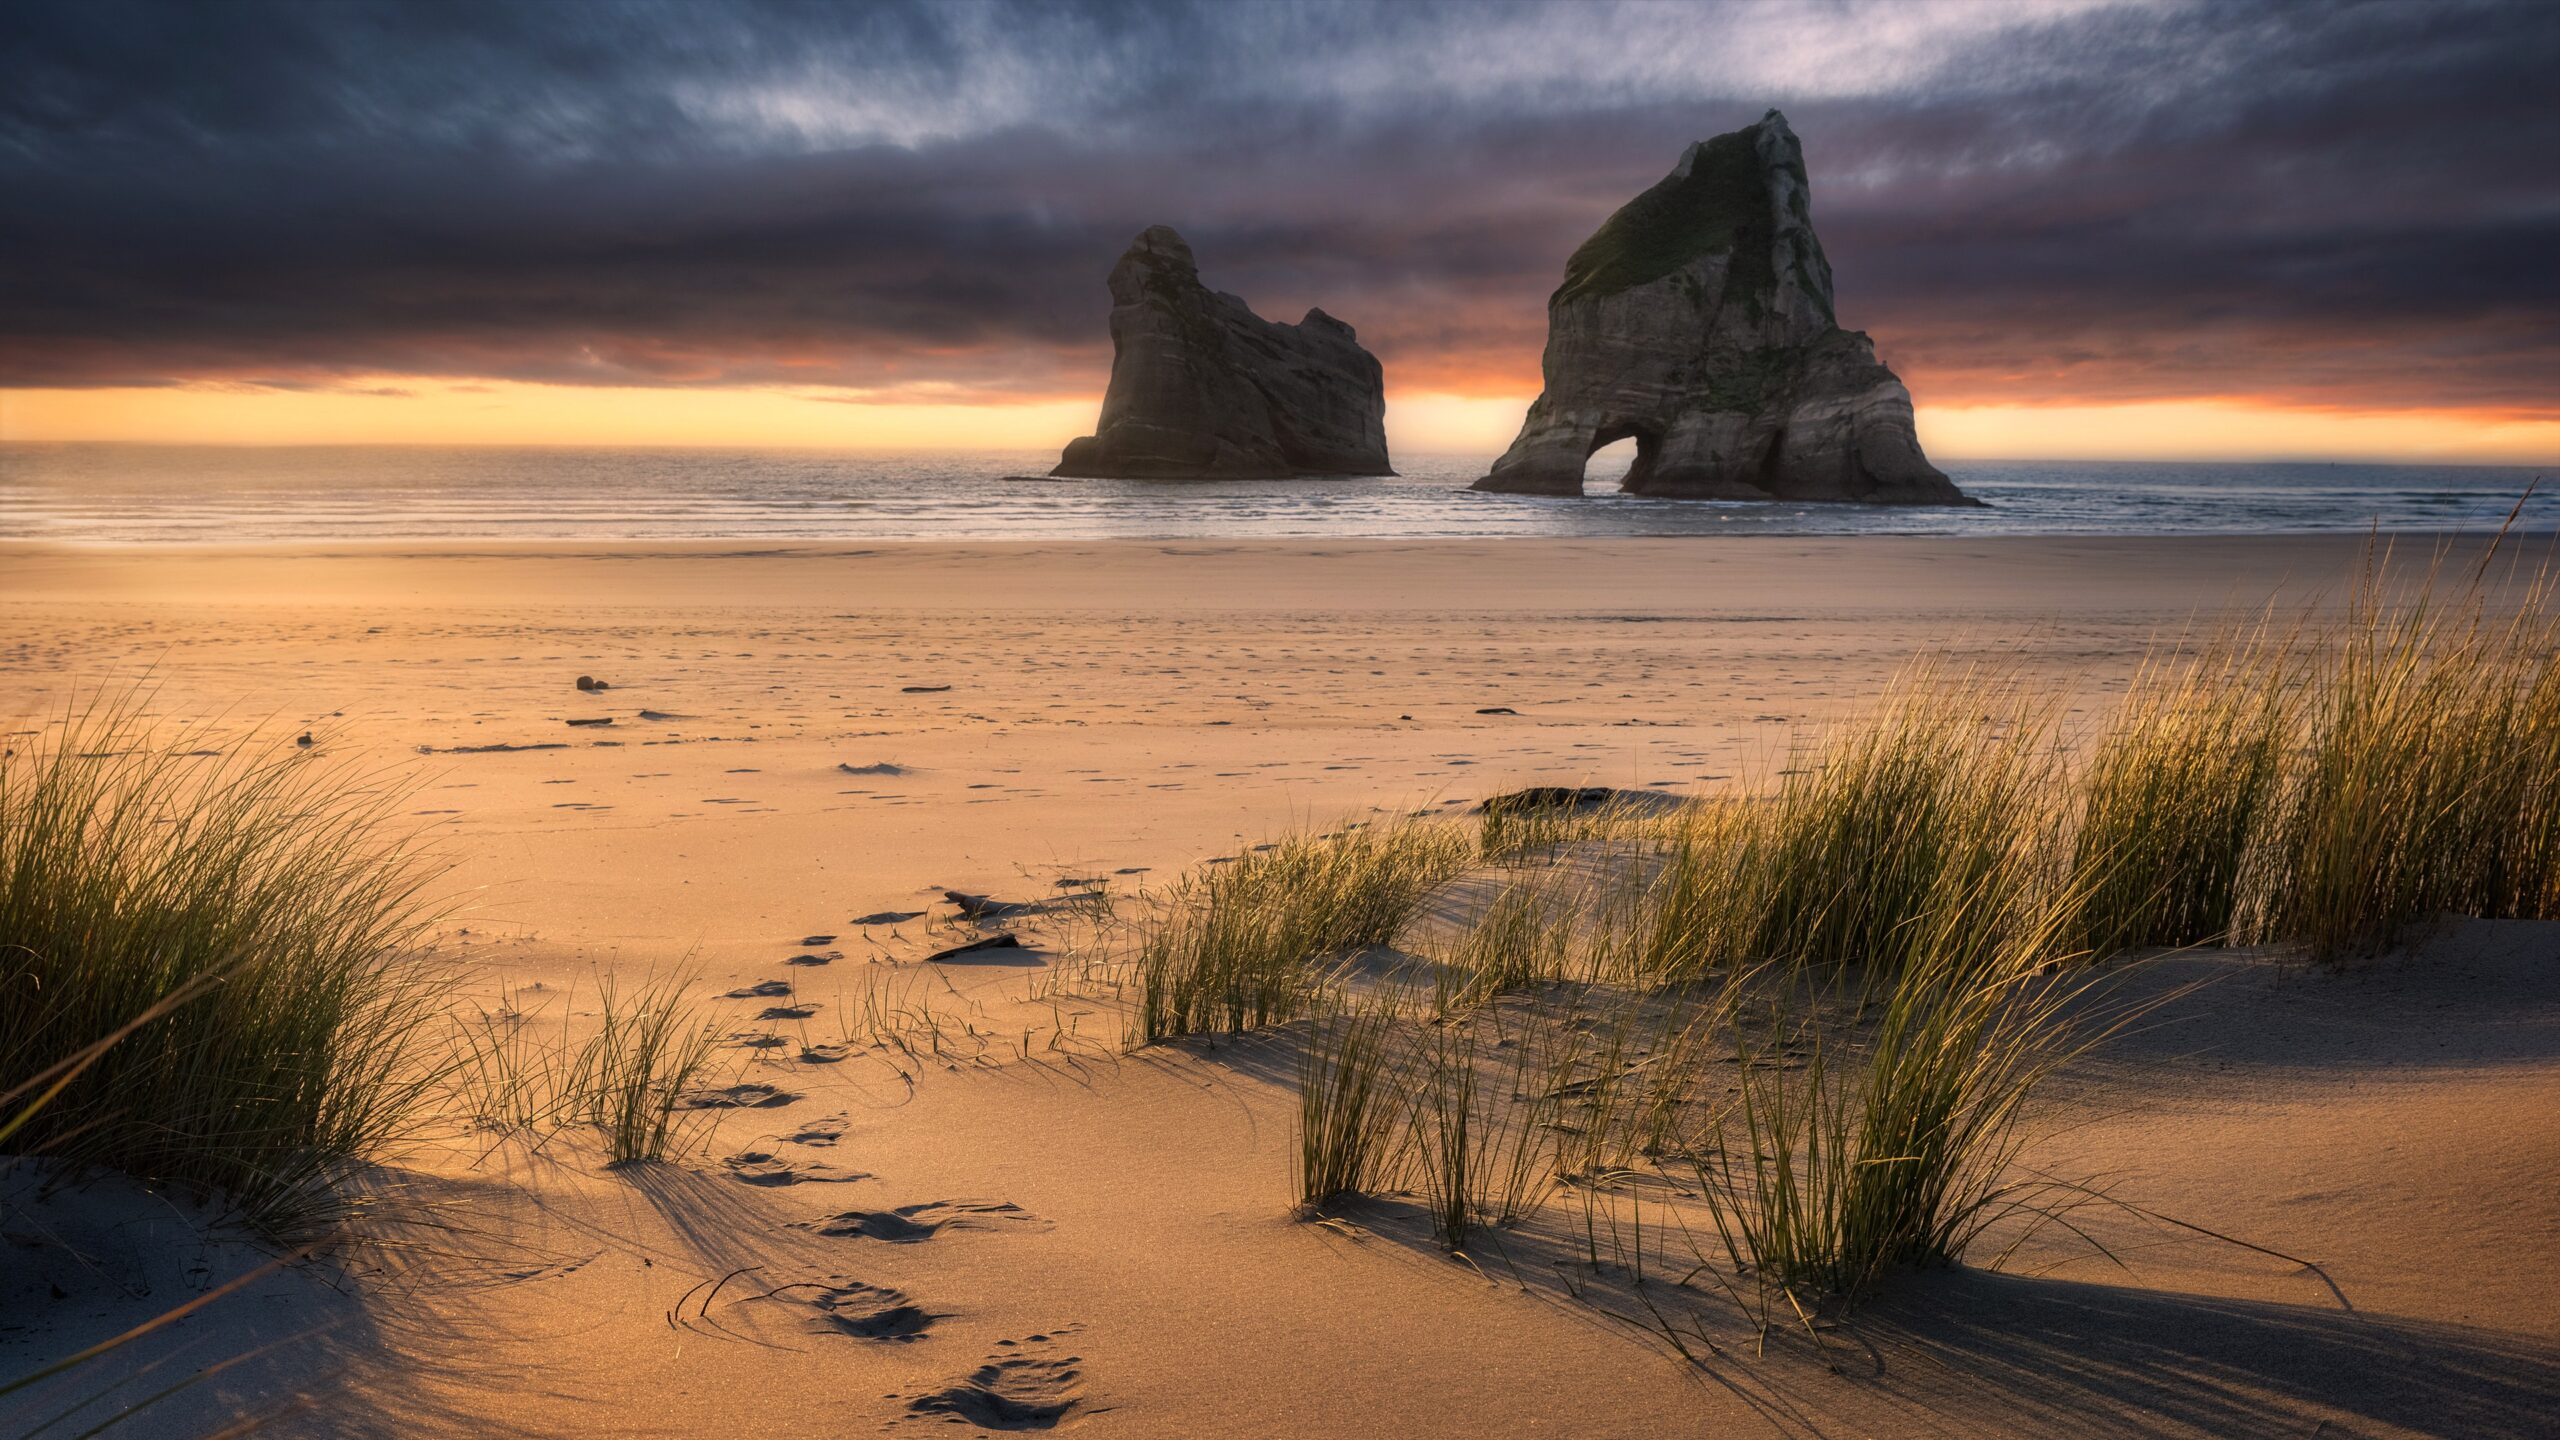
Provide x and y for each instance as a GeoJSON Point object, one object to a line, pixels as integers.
{"type": "Point", "coordinates": [1698, 322]}
{"type": "Point", "coordinates": [1203, 388]}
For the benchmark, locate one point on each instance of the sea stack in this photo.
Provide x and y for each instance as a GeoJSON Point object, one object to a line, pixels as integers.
{"type": "Point", "coordinates": [1698, 322]}
{"type": "Point", "coordinates": [1204, 389]}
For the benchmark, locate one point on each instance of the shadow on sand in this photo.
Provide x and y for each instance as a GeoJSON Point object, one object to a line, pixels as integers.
{"type": "Point", "coordinates": [2083, 1359]}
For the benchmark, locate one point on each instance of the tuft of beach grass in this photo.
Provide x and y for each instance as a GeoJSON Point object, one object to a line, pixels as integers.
{"type": "Point", "coordinates": [1241, 945]}
{"type": "Point", "coordinates": [139, 862]}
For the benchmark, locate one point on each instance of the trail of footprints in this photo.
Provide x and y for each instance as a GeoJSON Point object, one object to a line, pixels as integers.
{"type": "Point", "coordinates": [1030, 1383]}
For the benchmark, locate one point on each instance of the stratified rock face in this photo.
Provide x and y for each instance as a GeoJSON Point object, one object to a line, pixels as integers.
{"type": "Point", "coordinates": [1698, 321]}
{"type": "Point", "coordinates": [1203, 388]}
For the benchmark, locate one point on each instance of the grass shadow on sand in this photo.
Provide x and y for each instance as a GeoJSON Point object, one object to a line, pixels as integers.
{"type": "Point", "coordinates": [2100, 1360]}
{"type": "Point", "coordinates": [1975, 1352]}
{"type": "Point", "coordinates": [350, 1343]}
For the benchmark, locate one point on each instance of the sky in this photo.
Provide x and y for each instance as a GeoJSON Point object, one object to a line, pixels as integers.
{"type": "Point", "coordinates": [2076, 228]}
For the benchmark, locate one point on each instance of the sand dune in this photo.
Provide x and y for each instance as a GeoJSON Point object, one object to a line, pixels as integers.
{"type": "Point", "coordinates": [1010, 1224]}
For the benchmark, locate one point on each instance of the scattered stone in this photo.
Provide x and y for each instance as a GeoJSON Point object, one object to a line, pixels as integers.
{"type": "Point", "coordinates": [500, 749]}
{"type": "Point", "coordinates": [1497, 710]}
{"type": "Point", "coordinates": [1005, 941]}
{"type": "Point", "coordinates": [599, 720]}
{"type": "Point", "coordinates": [983, 907]}
{"type": "Point", "coordinates": [922, 689]}
{"type": "Point", "coordinates": [303, 740]}
{"type": "Point", "coordinates": [591, 684]}
{"type": "Point", "coordinates": [883, 768]}
{"type": "Point", "coordinates": [1574, 800]}
{"type": "Point", "coordinates": [1203, 388]}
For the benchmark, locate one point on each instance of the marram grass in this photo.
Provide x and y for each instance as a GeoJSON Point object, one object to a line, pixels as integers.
{"type": "Point", "coordinates": [2425, 778]}
{"type": "Point", "coordinates": [1858, 1150]}
{"type": "Point", "coordinates": [650, 1049]}
{"type": "Point", "coordinates": [267, 884]}
{"type": "Point", "coordinates": [1239, 945]}
{"type": "Point", "coordinates": [1888, 945]}
{"type": "Point", "coordinates": [2175, 791]}
{"type": "Point", "coordinates": [1349, 1086]}
{"type": "Point", "coordinates": [1937, 791]}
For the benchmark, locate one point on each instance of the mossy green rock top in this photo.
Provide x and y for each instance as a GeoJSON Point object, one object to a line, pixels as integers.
{"type": "Point", "coordinates": [1698, 321]}
{"type": "Point", "coordinates": [1204, 389]}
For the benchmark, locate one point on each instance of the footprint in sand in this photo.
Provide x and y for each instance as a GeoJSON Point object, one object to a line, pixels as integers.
{"type": "Point", "coordinates": [761, 990]}
{"type": "Point", "coordinates": [817, 1132]}
{"type": "Point", "coordinates": [1025, 1385]}
{"type": "Point", "coordinates": [834, 1305]}
{"type": "Point", "coordinates": [824, 1054]}
{"type": "Point", "coordinates": [865, 1312]}
{"type": "Point", "coordinates": [828, 959]}
{"type": "Point", "coordinates": [786, 1012]}
{"type": "Point", "coordinates": [909, 1224]}
{"type": "Point", "coordinates": [758, 1167]}
{"type": "Point", "coordinates": [749, 1096]}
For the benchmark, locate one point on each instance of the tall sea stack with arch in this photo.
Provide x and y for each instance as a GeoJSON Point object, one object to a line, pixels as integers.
{"type": "Point", "coordinates": [1698, 322]}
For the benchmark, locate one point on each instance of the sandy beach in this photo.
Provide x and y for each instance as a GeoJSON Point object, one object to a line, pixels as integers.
{"type": "Point", "coordinates": [1108, 706]}
{"type": "Point", "coordinates": [807, 745]}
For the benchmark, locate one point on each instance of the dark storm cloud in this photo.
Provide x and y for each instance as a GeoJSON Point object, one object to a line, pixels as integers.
{"type": "Point", "coordinates": [2347, 204]}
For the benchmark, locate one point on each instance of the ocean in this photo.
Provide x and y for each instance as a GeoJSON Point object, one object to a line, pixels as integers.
{"type": "Point", "coordinates": [141, 494]}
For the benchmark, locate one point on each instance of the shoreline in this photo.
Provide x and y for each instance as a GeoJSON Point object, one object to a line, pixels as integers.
{"type": "Point", "coordinates": [719, 545]}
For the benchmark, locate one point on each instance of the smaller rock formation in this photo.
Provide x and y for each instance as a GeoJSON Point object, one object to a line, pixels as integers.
{"type": "Point", "coordinates": [1204, 389]}
{"type": "Point", "coordinates": [1698, 322]}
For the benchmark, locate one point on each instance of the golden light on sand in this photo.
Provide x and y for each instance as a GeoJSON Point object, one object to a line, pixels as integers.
{"type": "Point", "coordinates": [409, 411]}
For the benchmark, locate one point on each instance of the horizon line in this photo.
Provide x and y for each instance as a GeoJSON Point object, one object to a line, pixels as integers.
{"type": "Point", "coordinates": [1435, 453]}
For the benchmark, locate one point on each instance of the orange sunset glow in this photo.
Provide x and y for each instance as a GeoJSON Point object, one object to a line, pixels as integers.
{"type": "Point", "coordinates": [398, 410]}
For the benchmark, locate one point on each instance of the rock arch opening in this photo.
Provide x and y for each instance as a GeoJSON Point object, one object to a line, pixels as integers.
{"type": "Point", "coordinates": [1610, 463]}
{"type": "Point", "coordinates": [1620, 456]}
